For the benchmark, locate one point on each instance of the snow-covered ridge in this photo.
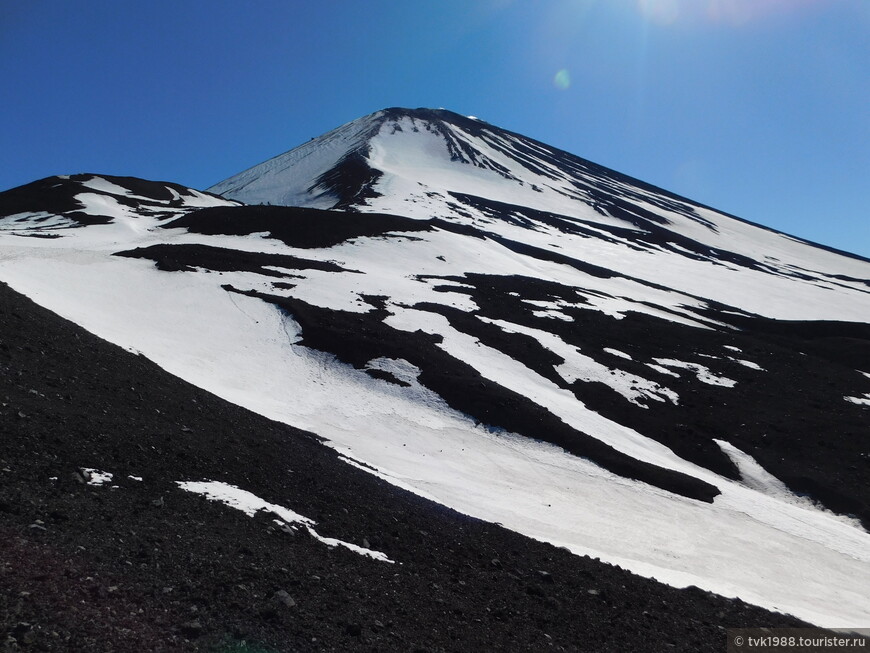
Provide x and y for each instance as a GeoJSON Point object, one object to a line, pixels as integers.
{"type": "Point", "coordinates": [48, 206]}
{"type": "Point", "coordinates": [290, 179]}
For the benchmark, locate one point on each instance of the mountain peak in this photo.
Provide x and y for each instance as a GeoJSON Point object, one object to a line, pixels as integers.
{"type": "Point", "coordinates": [368, 152]}
{"type": "Point", "coordinates": [413, 161]}
{"type": "Point", "coordinates": [433, 115]}
{"type": "Point", "coordinates": [333, 170]}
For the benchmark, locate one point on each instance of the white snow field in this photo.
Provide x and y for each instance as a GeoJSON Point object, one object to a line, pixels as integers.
{"type": "Point", "coordinates": [755, 541]}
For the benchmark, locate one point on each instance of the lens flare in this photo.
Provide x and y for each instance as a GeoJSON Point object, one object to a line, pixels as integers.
{"type": "Point", "coordinates": [562, 79]}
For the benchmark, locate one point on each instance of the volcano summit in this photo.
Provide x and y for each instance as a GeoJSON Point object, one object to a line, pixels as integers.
{"type": "Point", "coordinates": [507, 330]}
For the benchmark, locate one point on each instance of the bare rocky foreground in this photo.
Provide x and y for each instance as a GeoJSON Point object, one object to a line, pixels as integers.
{"type": "Point", "coordinates": [146, 566]}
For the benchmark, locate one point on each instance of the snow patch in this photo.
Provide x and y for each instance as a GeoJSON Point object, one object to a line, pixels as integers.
{"type": "Point", "coordinates": [556, 315]}
{"type": "Point", "coordinates": [96, 477]}
{"type": "Point", "coordinates": [616, 352]}
{"type": "Point", "coordinates": [250, 504]}
{"type": "Point", "coordinates": [746, 363]}
{"type": "Point", "coordinates": [401, 369]}
{"type": "Point", "coordinates": [754, 475]}
{"type": "Point", "coordinates": [105, 186]}
{"type": "Point", "coordinates": [662, 370]}
{"type": "Point", "coordinates": [580, 367]}
{"type": "Point", "coordinates": [35, 221]}
{"type": "Point", "coordinates": [702, 373]}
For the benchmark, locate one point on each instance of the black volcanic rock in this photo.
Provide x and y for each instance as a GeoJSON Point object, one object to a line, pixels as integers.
{"type": "Point", "coordinates": [175, 258]}
{"type": "Point", "coordinates": [294, 226]}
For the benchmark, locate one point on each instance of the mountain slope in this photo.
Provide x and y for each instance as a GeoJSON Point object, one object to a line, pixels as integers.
{"type": "Point", "coordinates": [626, 374]}
{"type": "Point", "coordinates": [138, 563]}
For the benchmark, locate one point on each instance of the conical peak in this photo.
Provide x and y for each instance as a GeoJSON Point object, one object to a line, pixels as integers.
{"type": "Point", "coordinates": [398, 153]}
{"type": "Point", "coordinates": [322, 173]}
{"type": "Point", "coordinates": [432, 115]}
{"type": "Point", "coordinates": [372, 122]}
{"type": "Point", "coordinates": [438, 119]}
{"type": "Point", "coordinates": [423, 162]}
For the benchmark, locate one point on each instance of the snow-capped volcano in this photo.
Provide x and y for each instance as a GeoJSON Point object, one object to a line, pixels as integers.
{"type": "Point", "coordinates": [428, 163]}
{"type": "Point", "coordinates": [512, 331]}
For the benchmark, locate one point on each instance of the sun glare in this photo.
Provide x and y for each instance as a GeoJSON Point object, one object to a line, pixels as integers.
{"type": "Point", "coordinates": [726, 12]}
{"type": "Point", "coordinates": [663, 12]}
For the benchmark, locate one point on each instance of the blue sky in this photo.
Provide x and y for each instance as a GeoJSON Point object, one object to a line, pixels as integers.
{"type": "Point", "coordinates": [760, 108]}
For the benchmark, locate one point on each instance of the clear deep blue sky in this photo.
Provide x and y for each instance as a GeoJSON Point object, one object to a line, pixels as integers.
{"type": "Point", "coordinates": [757, 107]}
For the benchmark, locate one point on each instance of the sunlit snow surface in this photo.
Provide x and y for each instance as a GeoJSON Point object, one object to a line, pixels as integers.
{"type": "Point", "coordinates": [97, 477]}
{"type": "Point", "coordinates": [863, 400]}
{"type": "Point", "coordinates": [756, 540]}
{"type": "Point", "coordinates": [250, 504]}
